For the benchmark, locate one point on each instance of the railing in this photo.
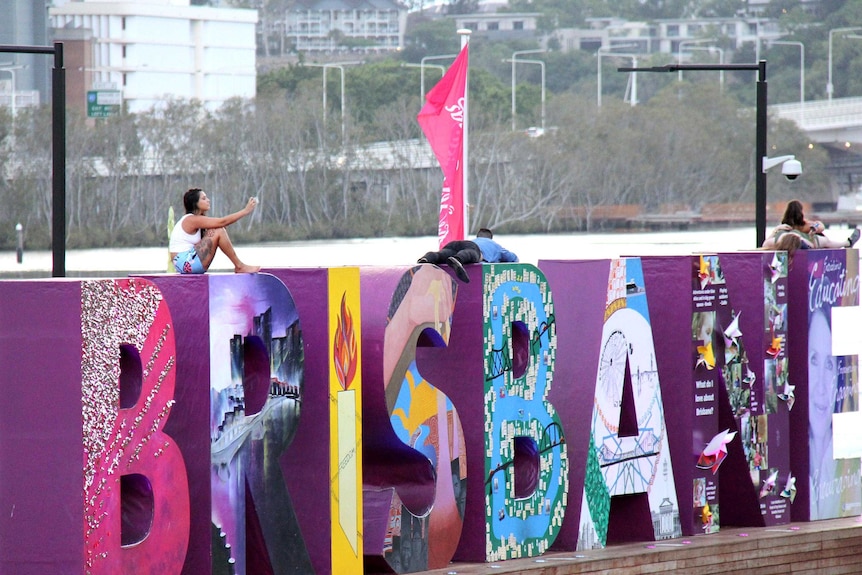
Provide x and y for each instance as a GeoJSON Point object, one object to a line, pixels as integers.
{"type": "Point", "coordinates": [822, 114]}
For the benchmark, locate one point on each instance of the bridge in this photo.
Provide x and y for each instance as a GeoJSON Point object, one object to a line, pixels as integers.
{"type": "Point", "coordinates": [835, 121]}
{"type": "Point", "coordinates": [837, 125]}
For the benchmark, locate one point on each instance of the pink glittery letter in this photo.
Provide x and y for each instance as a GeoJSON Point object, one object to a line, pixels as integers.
{"type": "Point", "coordinates": [136, 492]}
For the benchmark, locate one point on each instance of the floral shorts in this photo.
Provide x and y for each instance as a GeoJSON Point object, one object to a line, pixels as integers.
{"type": "Point", "coordinates": [188, 262]}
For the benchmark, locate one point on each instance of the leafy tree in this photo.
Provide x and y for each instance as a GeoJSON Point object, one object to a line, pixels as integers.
{"type": "Point", "coordinates": [430, 38]}
{"type": "Point", "coordinates": [463, 6]}
{"type": "Point", "coordinates": [123, 173]}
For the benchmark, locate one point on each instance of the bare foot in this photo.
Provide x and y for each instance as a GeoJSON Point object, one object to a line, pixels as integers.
{"type": "Point", "coordinates": [246, 269]}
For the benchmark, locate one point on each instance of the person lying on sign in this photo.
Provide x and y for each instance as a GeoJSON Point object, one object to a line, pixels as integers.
{"type": "Point", "coordinates": [197, 236]}
{"type": "Point", "coordinates": [459, 253]}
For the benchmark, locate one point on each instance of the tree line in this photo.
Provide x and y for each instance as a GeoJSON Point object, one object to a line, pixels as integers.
{"type": "Point", "coordinates": [685, 144]}
{"type": "Point", "coordinates": [689, 145]}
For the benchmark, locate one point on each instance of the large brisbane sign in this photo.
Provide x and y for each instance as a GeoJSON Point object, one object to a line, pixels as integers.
{"type": "Point", "coordinates": [364, 420]}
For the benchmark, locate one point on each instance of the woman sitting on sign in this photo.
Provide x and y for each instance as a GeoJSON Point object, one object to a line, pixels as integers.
{"type": "Point", "coordinates": [196, 237]}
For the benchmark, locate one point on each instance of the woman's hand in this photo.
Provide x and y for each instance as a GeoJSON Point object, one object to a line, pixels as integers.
{"type": "Point", "coordinates": [252, 203]}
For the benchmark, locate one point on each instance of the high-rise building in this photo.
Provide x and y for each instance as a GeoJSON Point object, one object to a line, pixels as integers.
{"type": "Point", "coordinates": [154, 50]}
{"type": "Point", "coordinates": [24, 23]}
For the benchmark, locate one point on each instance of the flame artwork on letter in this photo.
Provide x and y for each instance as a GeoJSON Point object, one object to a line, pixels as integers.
{"type": "Point", "coordinates": [345, 346]}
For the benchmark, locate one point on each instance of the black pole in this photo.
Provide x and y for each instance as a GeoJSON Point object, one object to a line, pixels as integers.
{"type": "Point", "coordinates": [58, 146]}
{"type": "Point", "coordinates": [58, 149]}
{"type": "Point", "coordinates": [760, 144]}
{"type": "Point", "coordinates": [760, 155]}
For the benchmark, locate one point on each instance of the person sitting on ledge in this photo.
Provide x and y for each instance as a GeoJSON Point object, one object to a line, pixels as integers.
{"type": "Point", "coordinates": [196, 237]}
{"type": "Point", "coordinates": [458, 253]}
{"type": "Point", "coordinates": [810, 232]}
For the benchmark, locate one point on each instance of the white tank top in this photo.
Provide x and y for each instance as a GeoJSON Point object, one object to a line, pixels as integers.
{"type": "Point", "coordinates": [182, 241]}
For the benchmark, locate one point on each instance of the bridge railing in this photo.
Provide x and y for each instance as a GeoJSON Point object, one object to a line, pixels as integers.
{"type": "Point", "coordinates": [822, 114]}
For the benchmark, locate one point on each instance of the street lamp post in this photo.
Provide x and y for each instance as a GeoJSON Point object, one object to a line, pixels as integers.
{"type": "Point", "coordinates": [607, 52]}
{"type": "Point", "coordinates": [7, 67]}
{"type": "Point", "coordinates": [542, 65]}
{"type": "Point", "coordinates": [679, 52]}
{"type": "Point", "coordinates": [713, 50]}
{"type": "Point", "coordinates": [514, 60]}
{"type": "Point", "coordinates": [340, 67]}
{"type": "Point", "coordinates": [422, 67]}
{"type": "Point", "coordinates": [801, 73]}
{"type": "Point", "coordinates": [829, 86]}
{"type": "Point", "coordinates": [763, 163]}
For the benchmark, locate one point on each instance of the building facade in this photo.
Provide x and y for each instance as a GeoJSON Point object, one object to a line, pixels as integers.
{"type": "Point", "coordinates": [500, 26]}
{"type": "Point", "coordinates": [25, 79]}
{"type": "Point", "coordinates": [345, 25]}
{"type": "Point", "coordinates": [665, 35]}
{"type": "Point", "coordinates": [155, 50]}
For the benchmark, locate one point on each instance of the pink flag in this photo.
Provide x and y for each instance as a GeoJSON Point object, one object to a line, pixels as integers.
{"type": "Point", "coordinates": [442, 122]}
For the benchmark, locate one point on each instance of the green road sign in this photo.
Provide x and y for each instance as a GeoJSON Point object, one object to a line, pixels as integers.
{"type": "Point", "coordinates": [103, 103]}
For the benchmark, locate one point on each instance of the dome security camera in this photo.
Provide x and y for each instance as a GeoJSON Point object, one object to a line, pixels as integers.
{"type": "Point", "coordinates": [791, 169]}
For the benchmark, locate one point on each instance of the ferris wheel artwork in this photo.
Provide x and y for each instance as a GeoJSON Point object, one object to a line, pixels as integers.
{"type": "Point", "coordinates": [631, 461]}
{"type": "Point", "coordinates": [612, 367]}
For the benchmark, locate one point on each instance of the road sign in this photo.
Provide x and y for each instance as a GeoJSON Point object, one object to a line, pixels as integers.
{"type": "Point", "coordinates": [103, 103]}
{"type": "Point", "coordinates": [97, 85]}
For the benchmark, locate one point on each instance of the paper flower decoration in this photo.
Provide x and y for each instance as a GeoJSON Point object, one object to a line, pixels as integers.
{"type": "Point", "coordinates": [775, 348]}
{"type": "Point", "coordinates": [705, 356]}
{"type": "Point", "coordinates": [749, 378]}
{"type": "Point", "coordinates": [732, 333]}
{"type": "Point", "coordinates": [706, 516]}
{"type": "Point", "coordinates": [775, 267]}
{"type": "Point", "coordinates": [788, 396]}
{"type": "Point", "coordinates": [769, 484]}
{"type": "Point", "coordinates": [789, 491]}
{"type": "Point", "coordinates": [703, 272]}
{"type": "Point", "coordinates": [714, 453]}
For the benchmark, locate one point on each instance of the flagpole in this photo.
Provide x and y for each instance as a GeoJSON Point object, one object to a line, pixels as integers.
{"type": "Point", "coordinates": [465, 172]}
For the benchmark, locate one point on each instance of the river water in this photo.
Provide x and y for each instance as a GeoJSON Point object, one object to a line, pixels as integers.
{"type": "Point", "coordinates": [389, 251]}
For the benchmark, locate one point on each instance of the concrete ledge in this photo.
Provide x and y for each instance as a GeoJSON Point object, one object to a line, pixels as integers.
{"type": "Point", "coordinates": [817, 548]}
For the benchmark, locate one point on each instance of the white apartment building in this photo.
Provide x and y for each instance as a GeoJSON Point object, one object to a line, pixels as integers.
{"type": "Point", "coordinates": [665, 35]}
{"type": "Point", "coordinates": [332, 25]}
{"type": "Point", "coordinates": [152, 50]}
{"type": "Point", "coordinates": [500, 25]}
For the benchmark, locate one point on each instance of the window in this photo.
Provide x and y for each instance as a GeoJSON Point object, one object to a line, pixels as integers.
{"type": "Point", "coordinates": [673, 30]}
{"type": "Point", "coordinates": [493, 26]}
{"type": "Point", "coordinates": [517, 25]}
